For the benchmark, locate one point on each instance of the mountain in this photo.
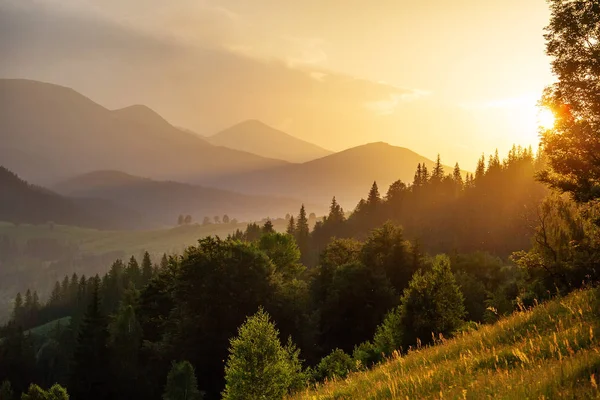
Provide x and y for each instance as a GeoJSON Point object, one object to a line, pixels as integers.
{"type": "Point", "coordinates": [23, 203]}
{"type": "Point", "coordinates": [161, 202]}
{"type": "Point", "coordinates": [258, 138]}
{"type": "Point", "coordinates": [348, 175]}
{"type": "Point", "coordinates": [48, 131]}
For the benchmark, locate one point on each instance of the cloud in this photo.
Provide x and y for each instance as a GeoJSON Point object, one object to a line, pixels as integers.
{"type": "Point", "coordinates": [527, 100]}
{"type": "Point", "coordinates": [389, 105]}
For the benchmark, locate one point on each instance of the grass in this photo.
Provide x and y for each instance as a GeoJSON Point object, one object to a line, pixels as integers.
{"type": "Point", "coordinates": [551, 351]}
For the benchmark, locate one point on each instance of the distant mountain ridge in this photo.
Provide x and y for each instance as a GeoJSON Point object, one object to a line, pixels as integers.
{"type": "Point", "coordinates": [68, 132]}
{"type": "Point", "coordinates": [160, 202]}
{"type": "Point", "coordinates": [23, 203]}
{"type": "Point", "coordinates": [348, 175]}
{"type": "Point", "coordinates": [258, 138]}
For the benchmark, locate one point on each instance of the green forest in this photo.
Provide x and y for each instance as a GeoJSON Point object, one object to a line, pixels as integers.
{"type": "Point", "coordinates": [380, 301]}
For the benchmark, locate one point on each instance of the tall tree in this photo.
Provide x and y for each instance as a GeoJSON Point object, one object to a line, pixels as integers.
{"type": "Point", "coordinates": [291, 228]}
{"type": "Point", "coordinates": [438, 170]}
{"type": "Point", "coordinates": [258, 365]}
{"type": "Point", "coordinates": [572, 145]}
{"type": "Point", "coordinates": [90, 371]}
{"type": "Point", "coordinates": [302, 234]}
{"type": "Point", "coordinates": [147, 270]}
{"type": "Point", "coordinates": [457, 176]}
{"type": "Point", "coordinates": [374, 198]}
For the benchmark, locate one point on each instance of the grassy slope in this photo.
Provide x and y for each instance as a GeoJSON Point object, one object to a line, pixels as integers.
{"type": "Point", "coordinates": [549, 352]}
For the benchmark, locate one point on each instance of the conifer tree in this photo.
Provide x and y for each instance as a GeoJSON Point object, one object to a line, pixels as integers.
{"type": "Point", "coordinates": [480, 170]}
{"type": "Point", "coordinates": [18, 309]}
{"type": "Point", "coordinates": [258, 365]}
{"type": "Point", "coordinates": [424, 175]}
{"type": "Point", "coordinates": [90, 371]}
{"type": "Point", "coordinates": [418, 179]}
{"type": "Point", "coordinates": [164, 261]}
{"type": "Point", "coordinates": [374, 198]}
{"type": "Point", "coordinates": [302, 233]}
{"type": "Point", "coordinates": [146, 268]}
{"type": "Point", "coordinates": [182, 383]}
{"type": "Point", "coordinates": [268, 227]}
{"type": "Point", "coordinates": [291, 228]}
{"type": "Point", "coordinates": [457, 176]}
{"type": "Point", "coordinates": [438, 170]}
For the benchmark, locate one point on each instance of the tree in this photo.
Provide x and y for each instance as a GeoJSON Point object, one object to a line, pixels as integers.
{"type": "Point", "coordinates": [18, 309]}
{"type": "Point", "coordinates": [268, 227]}
{"type": "Point", "coordinates": [284, 252]}
{"type": "Point", "coordinates": [302, 233]}
{"type": "Point", "coordinates": [90, 372]}
{"type": "Point", "coordinates": [438, 170]}
{"type": "Point", "coordinates": [571, 146]}
{"type": "Point", "coordinates": [206, 221]}
{"type": "Point", "coordinates": [188, 219]}
{"type": "Point", "coordinates": [181, 383]}
{"type": "Point", "coordinates": [457, 176]}
{"type": "Point", "coordinates": [291, 228]}
{"type": "Point", "coordinates": [480, 170]}
{"type": "Point", "coordinates": [336, 213]}
{"type": "Point", "coordinates": [226, 219]}
{"type": "Point", "coordinates": [217, 219]}
{"type": "Point", "coordinates": [147, 269]}
{"type": "Point", "coordinates": [337, 364]}
{"type": "Point", "coordinates": [6, 391]}
{"type": "Point", "coordinates": [432, 304]}
{"type": "Point", "coordinates": [180, 219]}
{"type": "Point", "coordinates": [56, 392]}
{"type": "Point", "coordinates": [389, 335]}
{"type": "Point", "coordinates": [258, 365]}
{"type": "Point", "coordinates": [374, 198]}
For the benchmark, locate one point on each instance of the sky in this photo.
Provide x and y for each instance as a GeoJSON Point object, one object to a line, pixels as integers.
{"type": "Point", "coordinates": [455, 77]}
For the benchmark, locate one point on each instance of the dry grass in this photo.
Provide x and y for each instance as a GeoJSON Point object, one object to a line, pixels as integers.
{"type": "Point", "coordinates": [549, 352]}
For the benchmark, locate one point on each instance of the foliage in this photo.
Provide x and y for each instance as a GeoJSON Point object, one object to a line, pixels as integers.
{"type": "Point", "coordinates": [259, 367]}
{"type": "Point", "coordinates": [336, 365]}
{"type": "Point", "coordinates": [181, 383]}
{"type": "Point", "coordinates": [56, 392]}
{"type": "Point", "coordinates": [6, 391]}
{"type": "Point", "coordinates": [571, 146]}
{"type": "Point", "coordinates": [432, 305]}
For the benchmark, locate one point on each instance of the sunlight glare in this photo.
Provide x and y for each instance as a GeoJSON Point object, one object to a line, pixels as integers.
{"type": "Point", "coordinates": [546, 118]}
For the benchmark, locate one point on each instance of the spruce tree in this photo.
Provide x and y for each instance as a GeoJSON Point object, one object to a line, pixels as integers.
{"type": "Point", "coordinates": [182, 383]}
{"type": "Point", "coordinates": [18, 309]}
{"type": "Point", "coordinates": [259, 367]}
{"type": "Point", "coordinates": [457, 176]}
{"type": "Point", "coordinates": [480, 170]}
{"type": "Point", "coordinates": [374, 198]}
{"type": "Point", "coordinates": [418, 179]}
{"type": "Point", "coordinates": [146, 269]}
{"type": "Point", "coordinates": [291, 228]}
{"type": "Point", "coordinates": [90, 370]}
{"type": "Point", "coordinates": [302, 233]}
{"type": "Point", "coordinates": [438, 170]}
{"type": "Point", "coordinates": [268, 227]}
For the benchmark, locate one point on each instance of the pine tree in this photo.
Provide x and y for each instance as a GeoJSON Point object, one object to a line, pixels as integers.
{"type": "Point", "coordinates": [374, 198]}
{"type": "Point", "coordinates": [480, 170]}
{"type": "Point", "coordinates": [291, 228]}
{"type": "Point", "coordinates": [146, 269]}
{"type": "Point", "coordinates": [302, 233]}
{"type": "Point", "coordinates": [182, 383]}
{"type": "Point", "coordinates": [438, 170]}
{"type": "Point", "coordinates": [336, 213]}
{"type": "Point", "coordinates": [18, 309]}
{"type": "Point", "coordinates": [164, 261]}
{"type": "Point", "coordinates": [418, 179]}
{"type": "Point", "coordinates": [424, 175]}
{"type": "Point", "coordinates": [90, 371]}
{"type": "Point", "coordinates": [259, 367]}
{"type": "Point", "coordinates": [268, 227]}
{"type": "Point", "coordinates": [457, 176]}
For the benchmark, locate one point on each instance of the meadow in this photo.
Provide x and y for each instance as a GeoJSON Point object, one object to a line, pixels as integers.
{"type": "Point", "coordinates": [550, 351]}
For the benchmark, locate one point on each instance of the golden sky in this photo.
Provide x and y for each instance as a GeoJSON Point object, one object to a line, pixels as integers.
{"type": "Point", "coordinates": [437, 76]}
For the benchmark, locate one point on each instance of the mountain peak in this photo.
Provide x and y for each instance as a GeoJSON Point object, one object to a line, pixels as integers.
{"type": "Point", "coordinates": [256, 137]}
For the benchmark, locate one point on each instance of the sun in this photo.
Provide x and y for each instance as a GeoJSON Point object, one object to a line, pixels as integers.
{"type": "Point", "coordinates": [545, 118]}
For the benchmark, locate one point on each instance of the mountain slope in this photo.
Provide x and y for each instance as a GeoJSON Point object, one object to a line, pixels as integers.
{"type": "Point", "coordinates": [23, 203]}
{"type": "Point", "coordinates": [348, 175]}
{"type": "Point", "coordinates": [258, 138]}
{"type": "Point", "coordinates": [161, 202]}
{"type": "Point", "coordinates": [70, 132]}
{"type": "Point", "coordinates": [552, 351]}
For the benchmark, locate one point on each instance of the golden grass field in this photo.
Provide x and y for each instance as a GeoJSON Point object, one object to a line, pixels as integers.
{"type": "Point", "coordinates": [548, 352]}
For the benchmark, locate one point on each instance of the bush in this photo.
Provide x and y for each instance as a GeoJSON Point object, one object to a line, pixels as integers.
{"type": "Point", "coordinates": [338, 364]}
